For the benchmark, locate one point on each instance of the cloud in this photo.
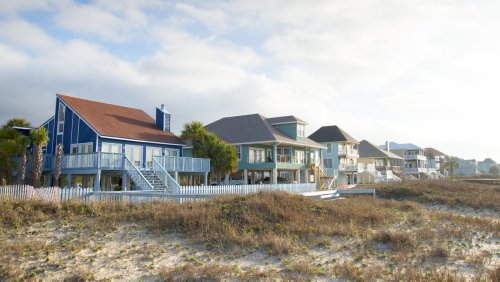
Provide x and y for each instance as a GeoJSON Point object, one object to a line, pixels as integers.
{"type": "Point", "coordinates": [408, 71]}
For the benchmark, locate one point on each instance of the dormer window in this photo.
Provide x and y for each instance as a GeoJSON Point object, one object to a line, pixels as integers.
{"type": "Point", "coordinates": [301, 130]}
{"type": "Point", "coordinates": [60, 119]}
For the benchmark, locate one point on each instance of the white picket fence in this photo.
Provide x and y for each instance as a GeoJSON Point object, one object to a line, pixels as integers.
{"type": "Point", "coordinates": [184, 194]}
{"type": "Point", "coordinates": [246, 189]}
{"type": "Point", "coordinates": [49, 194]}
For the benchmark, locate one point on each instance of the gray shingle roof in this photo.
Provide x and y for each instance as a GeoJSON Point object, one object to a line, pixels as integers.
{"type": "Point", "coordinates": [405, 146]}
{"type": "Point", "coordinates": [433, 152]}
{"type": "Point", "coordinates": [285, 119]}
{"type": "Point", "coordinates": [331, 133]}
{"type": "Point", "coordinates": [252, 128]}
{"type": "Point", "coordinates": [370, 150]}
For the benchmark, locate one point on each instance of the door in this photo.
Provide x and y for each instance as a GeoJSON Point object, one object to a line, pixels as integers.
{"type": "Point", "coordinates": [134, 154]}
{"type": "Point", "coordinates": [150, 153]}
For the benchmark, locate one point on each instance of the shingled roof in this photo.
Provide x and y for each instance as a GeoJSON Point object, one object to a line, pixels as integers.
{"type": "Point", "coordinates": [285, 119]}
{"type": "Point", "coordinates": [433, 152]}
{"type": "Point", "coordinates": [331, 133]}
{"type": "Point", "coordinates": [370, 150]}
{"type": "Point", "coordinates": [253, 128]}
{"type": "Point", "coordinates": [119, 122]}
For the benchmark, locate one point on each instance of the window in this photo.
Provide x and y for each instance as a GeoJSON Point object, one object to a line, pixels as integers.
{"type": "Point", "coordinates": [150, 153]}
{"type": "Point", "coordinates": [111, 148]}
{"type": "Point", "coordinates": [81, 148]}
{"type": "Point", "coordinates": [300, 157]}
{"type": "Point", "coordinates": [238, 151]}
{"type": "Point", "coordinates": [256, 155]}
{"type": "Point", "coordinates": [171, 152]}
{"type": "Point", "coordinates": [328, 163]}
{"type": "Point", "coordinates": [60, 119]}
{"type": "Point", "coordinates": [134, 154]}
{"type": "Point", "coordinates": [301, 130]}
{"type": "Point", "coordinates": [329, 148]}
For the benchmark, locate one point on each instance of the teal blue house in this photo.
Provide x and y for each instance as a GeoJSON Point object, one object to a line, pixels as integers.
{"type": "Point", "coordinates": [270, 150]}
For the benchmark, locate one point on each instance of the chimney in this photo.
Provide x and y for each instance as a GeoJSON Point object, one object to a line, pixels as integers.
{"type": "Point", "coordinates": [387, 148]}
{"type": "Point", "coordinates": [163, 118]}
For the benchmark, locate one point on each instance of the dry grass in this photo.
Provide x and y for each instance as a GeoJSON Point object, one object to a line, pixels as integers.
{"type": "Point", "coordinates": [446, 192]}
{"type": "Point", "coordinates": [405, 238]}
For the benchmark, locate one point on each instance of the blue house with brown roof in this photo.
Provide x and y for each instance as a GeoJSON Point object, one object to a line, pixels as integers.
{"type": "Point", "coordinates": [112, 147]}
{"type": "Point", "coordinates": [270, 150]}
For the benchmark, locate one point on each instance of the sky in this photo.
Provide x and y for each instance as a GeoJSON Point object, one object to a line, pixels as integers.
{"type": "Point", "coordinates": [410, 71]}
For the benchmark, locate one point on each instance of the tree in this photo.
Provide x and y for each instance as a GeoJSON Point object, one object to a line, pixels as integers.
{"type": "Point", "coordinates": [23, 142]}
{"type": "Point", "coordinates": [223, 157]}
{"type": "Point", "coordinates": [57, 166]}
{"type": "Point", "coordinates": [39, 138]}
{"type": "Point", "coordinates": [494, 170]}
{"type": "Point", "coordinates": [451, 164]}
{"type": "Point", "coordinates": [9, 149]}
{"type": "Point", "coordinates": [16, 122]}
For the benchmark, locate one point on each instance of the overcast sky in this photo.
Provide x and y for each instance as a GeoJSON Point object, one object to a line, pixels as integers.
{"type": "Point", "coordinates": [425, 72]}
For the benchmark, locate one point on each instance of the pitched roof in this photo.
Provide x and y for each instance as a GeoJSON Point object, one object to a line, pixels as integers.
{"type": "Point", "coordinates": [405, 146]}
{"type": "Point", "coordinates": [433, 152]}
{"type": "Point", "coordinates": [119, 122]}
{"type": "Point", "coordinates": [252, 128]}
{"type": "Point", "coordinates": [285, 119]}
{"type": "Point", "coordinates": [370, 150]}
{"type": "Point", "coordinates": [331, 133]}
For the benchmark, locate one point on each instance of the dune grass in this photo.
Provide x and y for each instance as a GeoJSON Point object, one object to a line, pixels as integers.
{"type": "Point", "coordinates": [446, 192]}
{"type": "Point", "coordinates": [404, 236]}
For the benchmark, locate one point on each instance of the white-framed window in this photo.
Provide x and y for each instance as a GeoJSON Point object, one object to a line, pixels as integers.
{"type": "Point", "coordinates": [82, 148]}
{"type": "Point", "coordinates": [301, 130]}
{"type": "Point", "coordinates": [134, 154]}
{"type": "Point", "coordinates": [238, 151]}
{"type": "Point", "coordinates": [111, 148]}
{"type": "Point", "coordinates": [300, 157]}
{"type": "Point", "coordinates": [171, 152]}
{"type": "Point", "coordinates": [329, 149]}
{"type": "Point", "coordinates": [256, 155]}
{"type": "Point", "coordinates": [328, 163]}
{"type": "Point", "coordinates": [60, 119]}
{"type": "Point", "coordinates": [150, 153]}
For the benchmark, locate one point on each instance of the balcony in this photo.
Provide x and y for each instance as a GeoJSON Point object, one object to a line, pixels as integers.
{"type": "Point", "coordinates": [112, 161]}
{"type": "Point", "coordinates": [415, 170]}
{"type": "Point", "coordinates": [344, 167]}
{"type": "Point", "coordinates": [415, 157]}
{"type": "Point", "coordinates": [348, 152]}
{"type": "Point", "coordinates": [287, 159]}
{"type": "Point", "coordinates": [182, 164]}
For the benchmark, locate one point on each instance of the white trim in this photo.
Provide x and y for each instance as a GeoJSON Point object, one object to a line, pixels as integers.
{"type": "Point", "coordinates": [273, 142]}
{"type": "Point", "coordinates": [290, 122]}
{"type": "Point", "coordinates": [76, 113]}
{"type": "Point", "coordinates": [142, 141]}
{"type": "Point", "coordinates": [47, 121]}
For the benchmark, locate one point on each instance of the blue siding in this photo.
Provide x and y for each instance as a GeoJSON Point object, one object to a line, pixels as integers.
{"type": "Point", "coordinates": [49, 126]}
{"type": "Point", "coordinates": [290, 129]}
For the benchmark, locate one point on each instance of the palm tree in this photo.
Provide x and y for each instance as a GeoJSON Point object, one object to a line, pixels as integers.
{"type": "Point", "coordinates": [40, 138]}
{"type": "Point", "coordinates": [57, 166]}
{"type": "Point", "coordinates": [16, 122]}
{"type": "Point", "coordinates": [451, 164]}
{"type": "Point", "coordinates": [23, 142]}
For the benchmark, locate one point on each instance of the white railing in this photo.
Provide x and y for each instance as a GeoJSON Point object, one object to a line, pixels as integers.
{"type": "Point", "coordinates": [137, 176]}
{"type": "Point", "coordinates": [80, 161]}
{"type": "Point", "coordinates": [409, 170]}
{"type": "Point", "coordinates": [287, 159]}
{"type": "Point", "coordinates": [344, 167]}
{"type": "Point", "coordinates": [348, 152]}
{"type": "Point", "coordinates": [111, 161]}
{"type": "Point", "coordinates": [183, 164]}
{"type": "Point", "coordinates": [246, 189]}
{"type": "Point", "coordinates": [168, 180]}
{"type": "Point", "coordinates": [47, 194]}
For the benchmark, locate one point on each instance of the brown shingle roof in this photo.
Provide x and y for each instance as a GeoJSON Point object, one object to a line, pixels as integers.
{"type": "Point", "coordinates": [121, 122]}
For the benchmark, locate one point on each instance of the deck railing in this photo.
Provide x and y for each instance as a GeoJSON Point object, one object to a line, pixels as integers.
{"type": "Point", "coordinates": [137, 176]}
{"type": "Point", "coordinates": [166, 178]}
{"type": "Point", "coordinates": [80, 161]}
{"type": "Point", "coordinates": [111, 161]}
{"type": "Point", "coordinates": [247, 189]}
{"type": "Point", "coordinates": [182, 164]}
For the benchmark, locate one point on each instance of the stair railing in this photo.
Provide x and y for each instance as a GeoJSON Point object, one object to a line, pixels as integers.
{"type": "Point", "coordinates": [167, 179]}
{"type": "Point", "coordinates": [136, 175]}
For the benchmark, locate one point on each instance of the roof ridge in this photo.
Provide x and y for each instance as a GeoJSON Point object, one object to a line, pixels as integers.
{"type": "Point", "coordinates": [94, 101]}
